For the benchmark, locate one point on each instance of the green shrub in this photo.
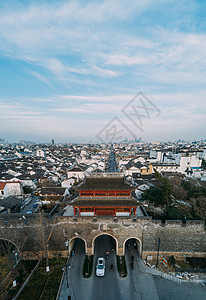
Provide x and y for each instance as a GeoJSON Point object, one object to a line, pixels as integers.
{"type": "Point", "coordinates": [54, 278]}
{"type": "Point", "coordinates": [44, 285]}
{"type": "Point", "coordinates": [172, 260]}
{"type": "Point", "coordinates": [121, 266]}
{"type": "Point", "coordinates": [88, 265]}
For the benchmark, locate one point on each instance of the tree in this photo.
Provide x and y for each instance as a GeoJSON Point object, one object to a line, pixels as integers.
{"type": "Point", "coordinates": [43, 238]}
{"type": "Point", "coordinates": [172, 260]}
{"type": "Point", "coordinates": [203, 163]}
{"type": "Point", "coordinates": [199, 207]}
{"type": "Point", "coordinates": [177, 189]}
{"type": "Point", "coordinates": [27, 189]}
{"type": "Point", "coordinates": [9, 239]}
{"type": "Point", "coordinates": [154, 195]}
{"type": "Point", "coordinates": [165, 187]}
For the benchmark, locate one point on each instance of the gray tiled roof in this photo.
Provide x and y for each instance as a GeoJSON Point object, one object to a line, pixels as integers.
{"type": "Point", "coordinates": [9, 202]}
{"type": "Point", "coordinates": [104, 183]}
{"type": "Point", "coordinates": [105, 201]}
{"type": "Point", "coordinates": [53, 190]}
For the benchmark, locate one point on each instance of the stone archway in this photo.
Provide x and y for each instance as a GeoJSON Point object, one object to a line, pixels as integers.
{"type": "Point", "coordinates": [132, 239]}
{"type": "Point", "coordinates": [105, 234]}
{"type": "Point", "coordinates": [8, 240]}
{"type": "Point", "coordinates": [72, 241]}
{"type": "Point", "coordinates": [11, 250]}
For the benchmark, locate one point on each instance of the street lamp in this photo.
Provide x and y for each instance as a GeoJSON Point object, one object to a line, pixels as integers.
{"type": "Point", "coordinates": [158, 249]}
{"type": "Point", "coordinates": [47, 259]}
{"type": "Point", "coordinates": [67, 279]}
{"type": "Point", "coordinates": [143, 227]}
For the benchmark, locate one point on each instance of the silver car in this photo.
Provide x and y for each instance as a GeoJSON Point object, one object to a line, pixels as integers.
{"type": "Point", "coordinates": [100, 268]}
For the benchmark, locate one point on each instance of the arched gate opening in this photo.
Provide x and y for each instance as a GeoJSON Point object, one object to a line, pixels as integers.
{"type": "Point", "coordinates": [132, 244]}
{"type": "Point", "coordinates": [77, 244]}
{"type": "Point", "coordinates": [9, 258]}
{"type": "Point", "coordinates": [10, 251]}
{"type": "Point", "coordinates": [103, 243]}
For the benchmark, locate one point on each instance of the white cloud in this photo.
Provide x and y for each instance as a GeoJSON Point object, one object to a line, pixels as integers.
{"type": "Point", "coordinates": [122, 59]}
{"type": "Point", "coordinates": [100, 49]}
{"type": "Point", "coordinates": [40, 77]}
{"type": "Point", "coordinates": [38, 34]}
{"type": "Point", "coordinates": [180, 113]}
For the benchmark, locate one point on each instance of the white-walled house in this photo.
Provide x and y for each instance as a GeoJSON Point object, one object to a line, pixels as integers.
{"type": "Point", "coordinates": [189, 166]}
{"type": "Point", "coordinates": [143, 187]}
{"type": "Point", "coordinates": [40, 153]}
{"type": "Point", "coordinates": [68, 182]}
{"type": "Point", "coordinates": [139, 159]}
{"type": "Point", "coordinates": [77, 172]}
{"type": "Point", "coordinates": [160, 156]}
{"type": "Point", "coordinates": [10, 188]}
{"type": "Point", "coordinates": [166, 167]}
{"type": "Point", "coordinates": [28, 182]}
{"type": "Point", "coordinates": [138, 194]}
{"type": "Point", "coordinates": [131, 170]}
{"type": "Point", "coordinates": [187, 163]}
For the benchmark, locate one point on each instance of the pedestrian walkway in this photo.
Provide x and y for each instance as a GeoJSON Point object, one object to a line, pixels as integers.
{"type": "Point", "coordinates": [142, 282]}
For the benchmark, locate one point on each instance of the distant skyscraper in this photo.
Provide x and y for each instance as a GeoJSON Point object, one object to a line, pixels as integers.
{"type": "Point", "coordinates": [52, 142]}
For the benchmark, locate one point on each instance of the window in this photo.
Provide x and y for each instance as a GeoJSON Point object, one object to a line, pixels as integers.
{"type": "Point", "coordinates": [100, 194]}
{"type": "Point", "coordinates": [104, 211]}
{"type": "Point", "coordinates": [2, 192]}
{"type": "Point", "coordinates": [86, 209]}
{"type": "Point", "coordinates": [123, 209]}
{"type": "Point", "coordinates": [86, 194]}
{"type": "Point", "coordinates": [123, 194]}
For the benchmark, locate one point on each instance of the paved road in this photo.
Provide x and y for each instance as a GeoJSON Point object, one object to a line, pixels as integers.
{"type": "Point", "coordinates": [30, 207]}
{"type": "Point", "coordinates": [106, 287]}
{"type": "Point", "coordinates": [111, 164]}
{"type": "Point", "coordinates": [139, 284]}
{"type": "Point", "coordinates": [169, 290]}
{"type": "Point", "coordinates": [73, 283]}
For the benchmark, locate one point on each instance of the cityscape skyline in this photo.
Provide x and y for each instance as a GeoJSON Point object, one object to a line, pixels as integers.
{"type": "Point", "coordinates": [102, 149]}
{"type": "Point", "coordinates": [68, 68]}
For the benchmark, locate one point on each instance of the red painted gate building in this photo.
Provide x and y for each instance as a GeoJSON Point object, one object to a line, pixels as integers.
{"type": "Point", "coordinates": [105, 195]}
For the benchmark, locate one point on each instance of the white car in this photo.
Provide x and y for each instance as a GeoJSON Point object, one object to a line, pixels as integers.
{"type": "Point", "coordinates": [100, 268]}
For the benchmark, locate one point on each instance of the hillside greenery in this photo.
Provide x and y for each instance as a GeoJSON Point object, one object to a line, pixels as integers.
{"type": "Point", "coordinates": [179, 198]}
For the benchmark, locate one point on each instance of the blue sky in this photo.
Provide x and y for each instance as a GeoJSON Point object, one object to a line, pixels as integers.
{"type": "Point", "coordinates": [67, 68]}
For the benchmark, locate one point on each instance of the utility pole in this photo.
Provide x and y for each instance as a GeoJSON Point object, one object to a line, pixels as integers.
{"type": "Point", "coordinates": [47, 259]}
{"type": "Point", "coordinates": [44, 241]}
{"type": "Point", "coordinates": [158, 249]}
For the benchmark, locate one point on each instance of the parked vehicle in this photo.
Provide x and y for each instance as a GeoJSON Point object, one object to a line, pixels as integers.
{"type": "Point", "coordinates": [36, 204]}
{"type": "Point", "coordinates": [23, 206]}
{"type": "Point", "coordinates": [27, 201]}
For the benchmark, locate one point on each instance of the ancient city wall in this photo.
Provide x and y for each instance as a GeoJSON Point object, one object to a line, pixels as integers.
{"type": "Point", "coordinates": [175, 237]}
